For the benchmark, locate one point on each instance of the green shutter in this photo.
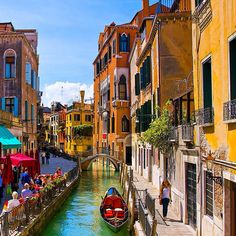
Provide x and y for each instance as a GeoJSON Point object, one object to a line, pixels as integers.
{"type": "Point", "coordinates": [207, 84]}
{"type": "Point", "coordinates": [148, 66]}
{"type": "Point", "coordinates": [137, 84]}
{"type": "Point", "coordinates": [142, 77]}
{"type": "Point", "coordinates": [144, 74]}
{"type": "Point", "coordinates": [233, 69]}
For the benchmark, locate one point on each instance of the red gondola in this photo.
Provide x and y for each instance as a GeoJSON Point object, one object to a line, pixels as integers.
{"type": "Point", "coordinates": [114, 210]}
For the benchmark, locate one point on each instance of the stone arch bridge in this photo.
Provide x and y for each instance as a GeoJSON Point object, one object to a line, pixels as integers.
{"type": "Point", "coordinates": [88, 160]}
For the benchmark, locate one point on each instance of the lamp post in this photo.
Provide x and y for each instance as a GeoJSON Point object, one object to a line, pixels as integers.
{"type": "Point", "coordinates": [210, 163]}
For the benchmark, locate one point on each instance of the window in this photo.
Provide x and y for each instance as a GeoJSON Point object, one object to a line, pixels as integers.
{"type": "Point", "coordinates": [9, 104]}
{"type": "Point", "coordinates": [109, 52]}
{"type": "Point", "coordinates": [75, 148]}
{"type": "Point", "coordinates": [70, 117]}
{"type": "Point", "coordinates": [10, 63]}
{"type": "Point", "coordinates": [143, 32]}
{"type": "Point", "coordinates": [207, 84]}
{"type": "Point", "coordinates": [198, 2]}
{"type": "Point", "coordinates": [122, 88]}
{"type": "Point", "coordinates": [77, 117]}
{"type": "Point", "coordinates": [32, 113]}
{"type": "Point", "coordinates": [113, 124]}
{"type": "Point", "coordinates": [26, 111]}
{"type": "Point", "coordinates": [28, 73]}
{"type": "Point", "coordinates": [33, 79]}
{"type": "Point", "coordinates": [137, 84]}
{"type": "Point", "coordinates": [232, 52]}
{"type": "Point", "coordinates": [209, 195]}
{"type": "Point", "coordinates": [124, 43]}
{"type": "Point", "coordinates": [125, 124]}
{"type": "Point", "coordinates": [88, 118]}
{"type": "Point", "coordinates": [114, 46]}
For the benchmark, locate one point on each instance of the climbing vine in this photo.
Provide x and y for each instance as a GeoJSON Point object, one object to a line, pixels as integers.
{"type": "Point", "coordinates": [83, 130]}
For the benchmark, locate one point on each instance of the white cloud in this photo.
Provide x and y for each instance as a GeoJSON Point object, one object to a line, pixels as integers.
{"type": "Point", "coordinates": [65, 92]}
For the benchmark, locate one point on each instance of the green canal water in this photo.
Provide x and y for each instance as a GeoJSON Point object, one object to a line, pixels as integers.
{"type": "Point", "coordinates": [80, 215]}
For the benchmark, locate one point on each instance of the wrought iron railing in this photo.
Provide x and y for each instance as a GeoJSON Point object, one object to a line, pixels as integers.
{"type": "Point", "coordinates": [13, 221]}
{"type": "Point", "coordinates": [148, 227]}
{"type": "Point", "coordinates": [229, 110]}
{"type": "Point", "coordinates": [205, 116]}
{"type": "Point", "coordinates": [173, 134]}
{"type": "Point", "coordinates": [142, 215]}
{"type": "Point", "coordinates": [187, 133]}
{"type": "Point", "coordinates": [150, 203]}
{"type": "Point", "coordinates": [170, 6]}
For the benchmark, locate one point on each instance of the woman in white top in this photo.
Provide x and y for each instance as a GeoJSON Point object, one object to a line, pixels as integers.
{"type": "Point", "coordinates": [13, 203]}
{"type": "Point", "coordinates": [165, 196]}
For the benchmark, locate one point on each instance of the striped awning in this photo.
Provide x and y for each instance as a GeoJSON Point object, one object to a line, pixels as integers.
{"type": "Point", "coordinates": [7, 139]}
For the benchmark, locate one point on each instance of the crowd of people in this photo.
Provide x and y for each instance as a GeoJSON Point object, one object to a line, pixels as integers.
{"type": "Point", "coordinates": [28, 187]}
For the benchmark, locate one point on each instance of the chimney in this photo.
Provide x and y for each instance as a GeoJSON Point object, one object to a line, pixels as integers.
{"type": "Point", "coordinates": [82, 96]}
{"type": "Point", "coordinates": [145, 8]}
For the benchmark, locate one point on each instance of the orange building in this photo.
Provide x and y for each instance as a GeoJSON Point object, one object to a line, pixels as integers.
{"type": "Point", "coordinates": [112, 124]}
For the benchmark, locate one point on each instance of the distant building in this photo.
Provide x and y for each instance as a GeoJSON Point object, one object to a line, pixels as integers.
{"type": "Point", "coordinates": [19, 81]}
{"type": "Point", "coordinates": [112, 123]}
{"type": "Point", "coordinates": [79, 128]}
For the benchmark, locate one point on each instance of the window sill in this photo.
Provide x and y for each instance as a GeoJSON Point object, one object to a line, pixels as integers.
{"type": "Point", "coordinates": [11, 78]}
{"type": "Point", "coordinates": [229, 121]}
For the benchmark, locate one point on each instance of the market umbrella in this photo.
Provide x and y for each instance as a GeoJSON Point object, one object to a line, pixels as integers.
{"type": "Point", "coordinates": [37, 167]}
{"type": "Point", "coordinates": [7, 174]}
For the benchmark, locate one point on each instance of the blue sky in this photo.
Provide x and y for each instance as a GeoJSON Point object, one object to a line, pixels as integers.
{"type": "Point", "coordinates": [68, 32]}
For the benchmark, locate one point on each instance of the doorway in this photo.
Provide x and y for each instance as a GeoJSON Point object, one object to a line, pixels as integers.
{"type": "Point", "coordinates": [128, 156]}
{"type": "Point", "coordinates": [191, 190]}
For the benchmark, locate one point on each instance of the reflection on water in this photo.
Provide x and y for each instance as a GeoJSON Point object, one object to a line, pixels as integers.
{"type": "Point", "coordinates": [80, 215]}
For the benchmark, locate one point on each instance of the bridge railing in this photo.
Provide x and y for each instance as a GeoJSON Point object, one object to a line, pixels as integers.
{"type": "Point", "coordinates": [111, 152]}
{"type": "Point", "coordinates": [11, 222]}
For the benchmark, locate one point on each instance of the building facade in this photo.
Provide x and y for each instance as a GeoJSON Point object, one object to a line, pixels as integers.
{"type": "Point", "coordinates": [112, 123]}
{"type": "Point", "coordinates": [79, 128]}
{"type": "Point", "coordinates": [214, 50]}
{"type": "Point", "coordinates": [19, 81]}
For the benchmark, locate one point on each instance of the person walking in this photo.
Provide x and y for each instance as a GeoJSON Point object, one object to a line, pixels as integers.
{"type": "Point", "coordinates": [47, 157]}
{"type": "Point", "coordinates": [26, 178]}
{"type": "Point", "coordinates": [165, 196]}
{"type": "Point", "coordinates": [43, 157]}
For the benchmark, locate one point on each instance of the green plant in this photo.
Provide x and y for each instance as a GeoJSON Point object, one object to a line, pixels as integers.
{"type": "Point", "coordinates": [159, 130]}
{"type": "Point", "coordinates": [83, 130]}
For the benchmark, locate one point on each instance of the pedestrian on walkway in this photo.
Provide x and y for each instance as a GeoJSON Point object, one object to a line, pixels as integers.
{"type": "Point", "coordinates": [47, 157]}
{"type": "Point", "coordinates": [165, 196]}
{"type": "Point", "coordinates": [43, 157]}
{"type": "Point", "coordinates": [26, 178]}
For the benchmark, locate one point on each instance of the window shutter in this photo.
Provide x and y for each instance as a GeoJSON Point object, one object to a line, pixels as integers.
{"type": "Point", "coordinates": [7, 71]}
{"type": "Point", "coordinates": [32, 113]}
{"type": "Point", "coordinates": [138, 124]}
{"type": "Point", "coordinates": [137, 84]}
{"type": "Point", "coordinates": [3, 104]}
{"type": "Point", "coordinates": [128, 43]}
{"type": "Point", "coordinates": [15, 112]}
{"type": "Point", "coordinates": [26, 111]}
{"type": "Point", "coordinates": [28, 72]}
{"type": "Point", "coordinates": [148, 65]}
{"type": "Point", "coordinates": [142, 77]}
{"type": "Point", "coordinates": [109, 53]}
{"type": "Point", "coordinates": [144, 74]}
{"type": "Point", "coordinates": [120, 42]}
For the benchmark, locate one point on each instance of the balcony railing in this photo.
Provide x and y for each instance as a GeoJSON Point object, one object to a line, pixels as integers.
{"type": "Point", "coordinates": [173, 135]}
{"type": "Point", "coordinates": [170, 6]}
{"type": "Point", "coordinates": [187, 133]}
{"type": "Point", "coordinates": [205, 116]}
{"type": "Point", "coordinates": [230, 111]}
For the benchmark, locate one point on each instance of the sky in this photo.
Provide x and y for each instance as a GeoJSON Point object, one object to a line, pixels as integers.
{"type": "Point", "coordinates": [68, 32]}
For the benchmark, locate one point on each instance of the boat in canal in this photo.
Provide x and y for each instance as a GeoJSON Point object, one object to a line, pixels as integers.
{"type": "Point", "coordinates": [114, 210]}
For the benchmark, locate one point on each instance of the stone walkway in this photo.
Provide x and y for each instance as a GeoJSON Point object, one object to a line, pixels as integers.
{"type": "Point", "coordinates": [54, 162]}
{"type": "Point", "coordinates": [173, 225]}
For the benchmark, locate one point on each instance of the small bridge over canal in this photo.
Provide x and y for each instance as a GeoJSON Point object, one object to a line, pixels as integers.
{"type": "Point", "coordinates": [85, 163]}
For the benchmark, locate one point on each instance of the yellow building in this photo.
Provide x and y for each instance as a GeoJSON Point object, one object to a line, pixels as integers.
{"type": "Point", "coordinates": [79, 128]}
{"type": "Point", "coordinates": [214, 58]}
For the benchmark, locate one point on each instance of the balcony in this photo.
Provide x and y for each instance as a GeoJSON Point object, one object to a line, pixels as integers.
{"type": "Point", "coordinates": [173, 135]}
{"type": "Point", "coordinates": [117, 103]}
{"type": "Point", "coordinates": [229, 111]}
{"type": "Point", "coordinates": [170, 6]}
{"type": "Point", "coordinates": [187, 133]}
{"type": "Point", "coordinates": [205, 116]}
{"type": "Point", "coordinates": [202, 14]}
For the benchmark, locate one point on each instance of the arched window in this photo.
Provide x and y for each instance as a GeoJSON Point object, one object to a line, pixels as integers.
{"type": "Point", "coordinates": [124, 43]}
{"type": "Point", "coordinates": [122, 88]}
{"type": "Point", "coordinates": [125, 124]}
{"type": "Point", "coordinates": [10, 63]}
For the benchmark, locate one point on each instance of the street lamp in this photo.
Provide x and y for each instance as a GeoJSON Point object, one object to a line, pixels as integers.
{"type": "Point", "coordinates": [209, 163]}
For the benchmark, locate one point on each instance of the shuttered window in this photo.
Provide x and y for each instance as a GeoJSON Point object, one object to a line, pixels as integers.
{"type": "Point", "coordinates": [28, 73]}
{"type": "Point", "coordinates": [113, 124]}
{"type": "Point", "coordinates": [209, 195]}
{"type": "Point", "coordinates": [124, 43]}
{"type": "Point", "coordinates": [114, 46]}
{"type": "Point", "coordinates": [26, 111]}
{"type": "Point", "coordinates": [137, 127]}
{"type": "Point", "coordinates": [232, 52]}
{"type": "Point", "coordinates": [137, 84]}
{"type": "Point", "coordinates": [32, 113]}
{"type": "Point", "coordinates": [10, 67]}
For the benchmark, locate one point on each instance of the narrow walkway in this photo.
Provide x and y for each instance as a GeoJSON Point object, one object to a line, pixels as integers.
{"type": "Point", "coordinates": [54, 162]}
{"type": "Point", "coordinates": [173, 225]}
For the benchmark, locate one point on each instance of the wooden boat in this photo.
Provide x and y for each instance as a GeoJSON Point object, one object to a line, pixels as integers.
{"type": "Point", "coordinates": [114, 210]}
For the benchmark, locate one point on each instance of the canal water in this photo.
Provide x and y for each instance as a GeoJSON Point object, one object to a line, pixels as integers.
{"type": "Point", "coordinates": [80, 215]}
